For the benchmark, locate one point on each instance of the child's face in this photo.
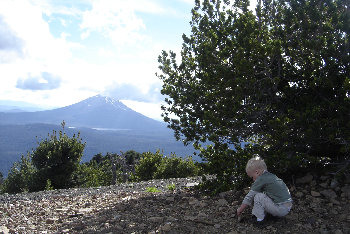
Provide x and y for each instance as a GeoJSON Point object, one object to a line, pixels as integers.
{"type": "Point", "coordinates": [254, 174]}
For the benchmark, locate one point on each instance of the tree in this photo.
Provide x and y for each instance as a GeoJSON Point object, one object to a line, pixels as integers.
{"type": "Point", "coordinates": [57, 158]}
{"type": "Point", "coordinates": [156, 166]}
{"type": "Point", "coordinates": [148, 165]}
{"type": "Point", "coordinates": [277, 79]}
{"type": "Point", "coordinates": [131, 157]}
{"type": "Point", "coordinates": [175, 167]}
{"type": "Point", "coordinates": [1, 178]}
{"type": "Point", "coordinates": [20, 177]}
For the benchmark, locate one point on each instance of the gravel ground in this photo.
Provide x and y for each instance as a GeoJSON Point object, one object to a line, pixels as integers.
{"type": "Point", "coordinates": [319, 207]}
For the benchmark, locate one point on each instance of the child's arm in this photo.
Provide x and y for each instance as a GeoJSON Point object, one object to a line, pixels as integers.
{"type": "Point", "coordinates": [241, 209]}
{"type": "Point", "coordinates": [247, 201]}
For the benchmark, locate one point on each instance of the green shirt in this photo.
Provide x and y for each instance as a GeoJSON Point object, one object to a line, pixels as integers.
{"type": "Point", "coordinates": [270, 185]}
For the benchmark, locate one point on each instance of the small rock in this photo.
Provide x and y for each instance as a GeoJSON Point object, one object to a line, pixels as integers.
{"type": "Point", "coordinates": [50, 221]}
{"type": "Point", "coordinates": [156, 219]}
{"type": "Point", "coordinates": [202, 215]}
{"type": "Point", "coordinates": [232, 232]}
{"type": "Point", "coordinates": [346, 191]}
{"type": "Point", "coordinates": [329, 193]}
{"type": "Point", "coordinates": [315, 194]}
{"type": "Point", "coordinates": [335, 201]}
{"type": "Point", "coordinates": [304, 180]}
{"type": "Point", "coordinates": [224, 194]}
{"type": "Point", "coordinates": [299, 194]}
{"type": "Point", "coordinates": [170, 199]}
{"type": "Point", "coordinates": [191, 184]}
{"type": "Point", "coordinates": [166, 227]}
{"type": "Point", "coordinates": [193, 201]}
{"type": "Point", "coordinates": [334, 183]}
{"type": "Point", "coordinates": [222, 202]}
{"type": "Point", "coordinates": [203, 204]}
{"type": "Point", "coordinates": [189, 218]}
{"type": "Point", "coordinates": [3, 230]}
{"type": "Point", "coordinates": [334, 212]}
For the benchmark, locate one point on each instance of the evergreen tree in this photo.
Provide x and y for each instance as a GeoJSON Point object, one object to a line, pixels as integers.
{"type": "Point", "coordinates": [57, 158]}
{"type": "Point", "coordinates": [277, 79]}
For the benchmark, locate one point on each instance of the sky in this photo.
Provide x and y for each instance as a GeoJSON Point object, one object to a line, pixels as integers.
{"type": "Point", "coordinates": [54, 53]}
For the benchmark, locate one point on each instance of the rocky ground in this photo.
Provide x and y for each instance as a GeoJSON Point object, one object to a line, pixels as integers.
{"type": "Point", "coordinates": [320, 206]}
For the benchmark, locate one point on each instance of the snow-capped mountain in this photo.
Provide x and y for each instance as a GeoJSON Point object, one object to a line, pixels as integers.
{"type": "Point", "coordinates": [94, 112]}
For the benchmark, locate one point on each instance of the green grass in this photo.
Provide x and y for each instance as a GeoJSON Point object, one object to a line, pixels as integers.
{"type": "Point", "coordinates": [171, 187]}
{"type": "Point", "coordinates": [152, 190]}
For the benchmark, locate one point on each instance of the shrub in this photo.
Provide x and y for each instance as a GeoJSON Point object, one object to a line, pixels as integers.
{"type": "Point", "coordinates": [148, 165]}
{"type": "Point", "coordinates": [93, 175]}
{"type": "Point", "coordinates": [50, 166]}
{"type": "Point", "coordinates": [21, 177]}
{"type": "Point", "coordinates": [57, 158]}
{"type": "Point", "coordinates": [156, 166]}
{"type": "Point", "coordinates": [175, 167]}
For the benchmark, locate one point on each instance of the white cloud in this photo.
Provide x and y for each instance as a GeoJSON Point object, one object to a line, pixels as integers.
{"type": "Point", "coordinates": [115, 19]}
{"type": "Point", "coordinates": [151, 110]}
{"type": "Point", "coordinates": [42, 38]}
{"type": "Point", "coordinates": [191, 2]}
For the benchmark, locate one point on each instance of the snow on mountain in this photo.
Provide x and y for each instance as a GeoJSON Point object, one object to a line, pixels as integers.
{"type": "Point", "coordinates": [94, 112]}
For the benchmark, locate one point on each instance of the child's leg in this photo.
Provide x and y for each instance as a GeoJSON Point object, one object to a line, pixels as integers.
{"type": "Point", "coordinates": [263, 204]}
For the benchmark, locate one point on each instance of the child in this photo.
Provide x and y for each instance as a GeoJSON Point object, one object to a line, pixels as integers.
{"type": "Point", "coordinates": [268, 192]}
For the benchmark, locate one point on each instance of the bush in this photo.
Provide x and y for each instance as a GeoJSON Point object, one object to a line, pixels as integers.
{"type": "Point", "coordinates": [56, 159]}
{"type": "Point", "coordinates": [21, 177]}
{"type": "Point", "coordinates": [156, 166]}
{"type": "Point", "coordinates": [50, 166]}
{"type": "Point", "coordinates": [175, 167]}
{"type": "Point", "coordinates": [93, 175]}
{"type": "Point", "coordinates": [131, 157]}
{"type": "Point", "coordinates": [148, 165]}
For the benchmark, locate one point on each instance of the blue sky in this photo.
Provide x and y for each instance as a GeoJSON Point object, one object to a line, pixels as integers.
{"type": "Point", "coordinates": [56, 53]}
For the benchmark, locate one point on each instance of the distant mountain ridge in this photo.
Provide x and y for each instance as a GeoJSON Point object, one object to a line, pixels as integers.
{"type": "Point", "coordinates": [95, 112]}
{"type": "Point", "coordinates": [129, 130]}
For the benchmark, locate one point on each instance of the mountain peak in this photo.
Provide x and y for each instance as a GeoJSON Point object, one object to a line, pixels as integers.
{"type": "Point", "coordinates": [94, 112]}
{"type": "Point", "coordinates": [100, 100]}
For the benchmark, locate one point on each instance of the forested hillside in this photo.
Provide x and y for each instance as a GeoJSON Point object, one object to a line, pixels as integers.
{"type": "Point", "coordinates": [16, 140]}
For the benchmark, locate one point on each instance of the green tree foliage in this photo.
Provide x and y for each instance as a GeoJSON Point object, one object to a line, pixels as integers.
{"type": "Point", "coordinates": [1, 177]}
{"type": "Point", "coordinates": [99, 170]}
{"type": "Point", "coordinates": [156, 166]}
{"type": "Point", "coordinates": [277, 78]}
{"type": "Point", "coordinates": [176, 167]}
{"type": "Point", "coordinates": [56, 159]}
{"type": "Point", "coordinates": [131, 157]}
{"type": "Point", "coordinates": [93, 174]}
{"type": "Point", "coordinates": [148, 165]}
{"type": "Point", "coordinates": [21, 176]}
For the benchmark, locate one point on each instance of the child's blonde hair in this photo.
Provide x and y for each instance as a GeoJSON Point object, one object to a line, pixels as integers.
{"type": "Point", "coordinates": [255, 164]}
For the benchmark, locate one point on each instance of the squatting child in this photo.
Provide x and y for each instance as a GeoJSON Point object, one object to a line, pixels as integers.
{"type": "Point", "coordinates": [268, 193]}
